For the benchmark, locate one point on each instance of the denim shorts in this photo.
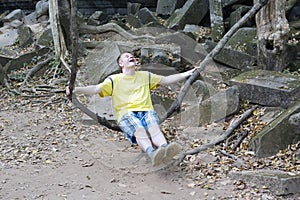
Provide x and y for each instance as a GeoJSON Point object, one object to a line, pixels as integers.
{"type": "Point", "coordinates": [133, 120]}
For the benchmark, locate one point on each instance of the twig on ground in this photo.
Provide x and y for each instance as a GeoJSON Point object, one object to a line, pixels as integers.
{"type": "Point", "coordinates": [223, 137]}
{"type": "Point", "coordinates": [239, 162]}
{"type": "Point", "coordinates": [240, 139]}
{"type": "Point", "coordinates": [35, 69]}
{"type": "Point", "coordinates": [53, 101]}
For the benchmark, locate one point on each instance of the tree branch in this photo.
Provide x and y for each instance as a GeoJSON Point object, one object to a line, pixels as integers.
{"type": "Point", "coordinates": [177, 102]}
{"type": "Point", "coordinates": [35, 69]}
{"type": "Point", "coordinates": [239, 162]}
{"type": "Point", "coordinates": [240, 139]}
{"type": "Point", "coordinates": [225, 135]}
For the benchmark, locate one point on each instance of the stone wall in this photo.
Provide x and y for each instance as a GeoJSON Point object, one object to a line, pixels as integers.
{"type": "Point", "coordinates": [10, 5]}
{"type": "Point", "coordinates": [111, 7]}
{"type": "Point", "coordinates": [86, 7]}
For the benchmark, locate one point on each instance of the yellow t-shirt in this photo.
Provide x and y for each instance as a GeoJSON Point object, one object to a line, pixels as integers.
{"type": "Point", "coordinates": [130, 92]}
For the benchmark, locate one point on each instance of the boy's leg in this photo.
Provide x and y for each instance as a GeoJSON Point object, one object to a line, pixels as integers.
{"type": "Point", "coordinates": [171, 149]}
{"type": "Point", "coordinates": [135, 132]}
{"type": "Point", "coordinates": [142, 138]}
{"type": "Point", "coordinates": [151, 123]}
{"type": "Point", "coordinates": [158, 138]}
{"type": "Point", "coordinates": [156, 135]}
{"type": "Point", "coordinates": [145, 143]}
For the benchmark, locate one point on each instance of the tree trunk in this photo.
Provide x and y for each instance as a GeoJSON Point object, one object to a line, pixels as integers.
{"type": "Point", "coordinates": [58, 37]}
{"type": "Point", "coordinates": [272, 33]}
{"type": "Point", "coordinates": [74, 45]}
{"type": "Point", "coordinates": [54, 21]}
{"type": "Point", "coordinates": [64, 20]}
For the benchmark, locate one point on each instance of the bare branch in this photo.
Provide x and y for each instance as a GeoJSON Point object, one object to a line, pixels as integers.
{"type": "Point", "coordinates": [240, 139]}
{"type": "Point", "coordinates": [177, 103]}
{"type": "Point", "coordinates": [239, 162]}
{"type": "Point", "coordinates": [35, 69]}
{"type": "Point", "coordinates": [223, 137]}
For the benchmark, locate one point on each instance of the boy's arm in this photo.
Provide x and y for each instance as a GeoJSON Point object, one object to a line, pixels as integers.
{"type": "Point", "coordinates": [91, 89]}
{"type": "Point", "coordinates": [176, 77]}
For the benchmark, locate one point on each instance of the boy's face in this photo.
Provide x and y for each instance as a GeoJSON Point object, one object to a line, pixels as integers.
{"type": "Point", "coordinates": [127, 60]}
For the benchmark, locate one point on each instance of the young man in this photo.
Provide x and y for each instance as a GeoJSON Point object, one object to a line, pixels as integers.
{"type": "Point", "coordinates": [130, 91]}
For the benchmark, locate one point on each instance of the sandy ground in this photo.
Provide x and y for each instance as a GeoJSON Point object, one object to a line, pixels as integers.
{"type": "Point", "coordinates": [50, 154]}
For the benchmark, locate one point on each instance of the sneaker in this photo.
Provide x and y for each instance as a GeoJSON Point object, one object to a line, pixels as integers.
{"type": "Point", "coordinates": [172, 149]}
{"type": "Point", "coordinates": [157, 156]}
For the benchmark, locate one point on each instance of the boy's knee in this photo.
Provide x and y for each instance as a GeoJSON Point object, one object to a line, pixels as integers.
{"type": "Point", "coordinates": [139, 131]}
{"type": "Point", "coordinates": [154, 129]}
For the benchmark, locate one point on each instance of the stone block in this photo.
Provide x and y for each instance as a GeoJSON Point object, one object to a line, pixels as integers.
{"type": "Point", "coordinates": [8, 38]}
{"type": "Point", "coordinates": [160, 104]}
{"type": "Point", "coordinates": [133, 21]}
{"type": "Point", "coordinates": [231, 57]}
{"type": "Point", "coordinates": [192, 12]}
{"type": "Point", "coordinates": [25, 37]}
{"type": "Point", "coordinates": [30, 19]}
{"type": "Point", "coordinates": [19, 62]}
{"type": "Point", "coordinates": [133, 8]}
{"type": "Point", "coordinates": [102, 106]}
{"type": "Point", "coordinates": [236, 15]}
{"type": "Point", "coordinates": [165, 7]}
{"type": "Point", "coordinates": [41, 8]}
{"type": "Point", "coordinates": [101, 63]}
{"type": "Point", "coordinates": [16, 23]}
{"type": "Point", "coordinates": [159, 69]}
{"type": "Point", "coordinates": [271, 113]}
{"type": "Point", "coordinates": [244, 40]}
{"type": "Point", "coordinates": [97, 18]}
{"type": "Point", "coordinates": [158, 54]}
{"type": "Point", "coordinates": [277, 135]}
{"type": "Point", "coordinates": [4, 59]}
{"type": "Point", "coordinates": [16, 14]}
{"type": "Point", "coordinates": [294, 121]}
{"type": "Point", "coordinates": [46, 38]}
{"type": "Point", "coordinates": [268, 88]}
{"type": "Point", "coordinates": [203, 89]}
{"type": "Point", "coordinates": [217, 20]}
{"type": "Point", "coordinates": [146, 16]}
{"type": "Point", "coordinates": [219, 105]}
{"type": "Point", "coordinates": [213, 109]}
{"type": "Point", "coordinates": [190, 52]}
{"type": "Point", "coordinates": [279, 182]}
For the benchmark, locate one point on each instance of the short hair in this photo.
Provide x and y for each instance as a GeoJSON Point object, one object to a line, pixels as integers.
{"type": "Point", "coordinates": [118, 58]}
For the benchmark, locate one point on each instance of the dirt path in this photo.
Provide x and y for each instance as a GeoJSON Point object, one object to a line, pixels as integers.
{"type": "Point", "coordinates": [47, 153]}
